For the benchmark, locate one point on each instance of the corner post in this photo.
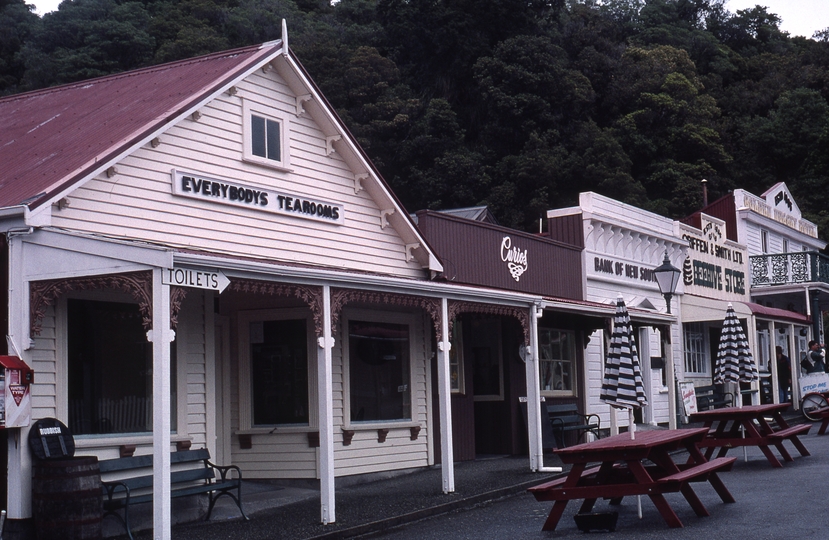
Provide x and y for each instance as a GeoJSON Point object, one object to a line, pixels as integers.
{"type": "Point", "coordinates": [161, 336]}
{"type": "Point", "coordinates": [445, 402]}
{"type": "Point", "coordinates": [326, 412]}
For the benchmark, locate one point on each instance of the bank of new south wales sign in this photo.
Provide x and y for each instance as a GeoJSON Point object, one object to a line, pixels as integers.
{"type": "Point", "coordinates": [203, 188]}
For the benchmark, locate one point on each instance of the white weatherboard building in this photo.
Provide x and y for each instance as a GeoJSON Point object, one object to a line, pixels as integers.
{"type": "Point", "coordinates": [199, 254]}
{"type": "Point", "coordinates": [787, 277]}
{"type": "Point", "coordinates": [622, 246]}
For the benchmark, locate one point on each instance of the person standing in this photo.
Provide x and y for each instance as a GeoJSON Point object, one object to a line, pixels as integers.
{"type": "Point", "coordinates": [784, 375]}
{"type": "Point", "coordinates": [814, 362]}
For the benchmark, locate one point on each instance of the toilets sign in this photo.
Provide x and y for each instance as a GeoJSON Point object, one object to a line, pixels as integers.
{"type": "Point", "coordinates": [197, 279]}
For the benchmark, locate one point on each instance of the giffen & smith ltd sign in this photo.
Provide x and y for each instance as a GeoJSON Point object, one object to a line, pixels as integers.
{"type": "Point", "coordinates": [203, 188]}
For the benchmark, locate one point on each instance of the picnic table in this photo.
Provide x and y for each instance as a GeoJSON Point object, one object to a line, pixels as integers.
{"type": "Point", "coordinates": [726, 427]}
{"type": "Point", "coordinates": [640, 466]}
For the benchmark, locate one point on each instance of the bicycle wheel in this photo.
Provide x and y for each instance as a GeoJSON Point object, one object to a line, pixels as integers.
{"type": "Point", "coordinates": [811, 403]}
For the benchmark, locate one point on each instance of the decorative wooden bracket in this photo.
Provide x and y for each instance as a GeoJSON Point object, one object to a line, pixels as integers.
{"type": "Point", "coordinates": [384, 217]}
{"type": "Point", "coordinates": [299, 101]}
{"type": "Point", "coordinates": [245, 442]}
{"type": "Point", "coordinates": [358, 181]}
{"type": "Point", "coordinates": [183, 445]}
{"type": "Point", "coordinates": [126, 450]}
{"type": "Point", "coordinates": [348, 434]}
{"type": "Point", "coordinates": [382, 434]}
{"type": "Point", "coordinates": [415, 431]}
{"type": "Point", "coordinates": [409, 249]}
{"type": "Point", "coordinates": [313, 439]}
{"type": "Point", "coordinates": [329, 144]}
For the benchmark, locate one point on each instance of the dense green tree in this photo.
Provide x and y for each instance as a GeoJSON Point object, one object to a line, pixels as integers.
{"type": "Point", "coordinates": [85, 39]}
{"type": "Point", "coordinates": [17, 23]}
{"type": "Point", "coordinates": [516, 104]}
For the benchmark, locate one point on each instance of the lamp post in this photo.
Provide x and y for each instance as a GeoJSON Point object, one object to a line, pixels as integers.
{"type": "Point", "coordinates": [667, 277]}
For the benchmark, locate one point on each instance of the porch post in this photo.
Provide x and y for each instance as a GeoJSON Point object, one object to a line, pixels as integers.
{"type": "Point", "coordinates": [534, 396]}
{"type": "Point", "coordinates": [445, 402]}
{"type": "Point", "coordinates": [667, 346]}
{"type": "Point", "coordinates": [161, 335]}
{"type": "Point", "coordinates": [326, 412]}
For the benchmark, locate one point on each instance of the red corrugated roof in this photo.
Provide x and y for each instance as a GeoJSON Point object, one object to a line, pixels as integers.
{"type": "Point", "coordinates": [50, 139]}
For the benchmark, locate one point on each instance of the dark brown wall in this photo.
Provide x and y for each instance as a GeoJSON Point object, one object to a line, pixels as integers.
{"type": "Point", "coordinates": [567, 229]}
{"type": "Point", "coordinates": [724, 209]}
{"type": "Point", "coordinates": [4, 293]}
{"type": "Point", "coordinates": [471, 254]}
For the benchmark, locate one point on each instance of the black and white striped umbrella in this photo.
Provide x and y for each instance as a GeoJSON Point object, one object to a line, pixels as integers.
{"type": "Point", "coordinates": [622, 384]}
{"type": "Point", "coordinates": [734, 360]}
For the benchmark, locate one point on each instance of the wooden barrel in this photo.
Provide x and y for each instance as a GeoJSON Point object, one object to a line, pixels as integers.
{"type": "Point", "coordinates": [67, 499]}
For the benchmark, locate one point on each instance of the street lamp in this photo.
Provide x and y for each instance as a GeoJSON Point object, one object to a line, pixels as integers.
{"type": "Point", "coordinates": [667, 277]}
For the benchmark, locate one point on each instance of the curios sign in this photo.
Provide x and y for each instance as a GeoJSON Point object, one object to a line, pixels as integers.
{"type": "Point", "coordinates": [515, 259]}
{"type": "Point", "coordinates": [203, 188]}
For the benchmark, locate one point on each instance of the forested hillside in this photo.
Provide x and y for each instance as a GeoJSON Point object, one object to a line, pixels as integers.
{"type": "Point", "coordinates": [520, 105]}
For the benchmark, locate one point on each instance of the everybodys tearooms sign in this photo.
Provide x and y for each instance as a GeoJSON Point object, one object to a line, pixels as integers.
{"type": "Point", "coordinates": [204, 188]}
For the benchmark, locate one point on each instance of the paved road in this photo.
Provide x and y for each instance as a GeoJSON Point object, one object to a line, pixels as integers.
{"type": "Point", "coordinates": [792, 502]}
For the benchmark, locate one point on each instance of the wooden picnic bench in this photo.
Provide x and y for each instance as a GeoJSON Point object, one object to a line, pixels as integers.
{"type": "Point", "coordinates": [192, 474]}
{"type": "Point", "coordinates": [732, 427]}
{"type": "Point", "coordinates": [823, 415]}
{"type": "Point", "coordinates": [565, 417]}
{"type": "Point", "coordinates": [640, 466]}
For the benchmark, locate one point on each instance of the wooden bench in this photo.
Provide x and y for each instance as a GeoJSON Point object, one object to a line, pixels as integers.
{"type": "Point", "coordinates": [192, 474]}
{"type": "Point", "coordinates": [700, 472]}
{"type": "Point", "coordinates": [566, 417]}
{"type": "Point", "coordinates": [710, 397]}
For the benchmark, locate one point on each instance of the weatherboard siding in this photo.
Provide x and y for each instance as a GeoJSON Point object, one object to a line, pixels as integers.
{"type": "Point", "coordinates": [192, 358]}
{"type": "Point", "coordinates": [137, 202]}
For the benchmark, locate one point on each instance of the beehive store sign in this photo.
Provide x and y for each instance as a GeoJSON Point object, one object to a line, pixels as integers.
{"type": "Point", "coordinates": [203, 188]}
{"type": "Point", "coordinates": [711, 263]}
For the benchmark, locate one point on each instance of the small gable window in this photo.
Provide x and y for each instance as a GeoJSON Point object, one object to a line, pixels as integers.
{"type": "Point", "coordinates": [265, 137]}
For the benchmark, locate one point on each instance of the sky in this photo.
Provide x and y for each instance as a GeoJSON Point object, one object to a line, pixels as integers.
{"type": "Point", "coordinates": [800, 17]}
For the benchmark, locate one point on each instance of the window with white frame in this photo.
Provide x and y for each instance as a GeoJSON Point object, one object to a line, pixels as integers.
{"type": "Point", "coordinates": [762, 353]}
{"type": "Point", "coordinates": [109, 369]}
{"type": "Point", "coordinates": [456, 377]}
{"type": "Point", "coordinates": [764, 241]}
{"type": "Point", "coordinates": [275, 373]}
{"type": "Point", "coordinates": [696, 353]}
{"type": "Point", "coordinates": [557, 359]}
{"type": "Point", "coordinates": [265, 137]}
{"type": "Point", "coordinates": [379, 369]}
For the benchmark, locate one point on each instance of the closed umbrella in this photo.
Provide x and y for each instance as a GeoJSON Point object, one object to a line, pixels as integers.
{"type": "Point", "coordinates": [734, 360]}
{"type": "Point", "coordinates": [622, 384]}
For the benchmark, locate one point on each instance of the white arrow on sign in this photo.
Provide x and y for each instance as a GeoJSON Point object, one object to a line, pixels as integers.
{"type": "Point", "coordinates": [198, 279]}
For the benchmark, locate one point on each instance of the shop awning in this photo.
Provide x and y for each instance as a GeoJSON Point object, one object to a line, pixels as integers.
{"type": "Point", "coordinates": [599, 309]}
{"type": "Point", "coordinates": [760, 310]}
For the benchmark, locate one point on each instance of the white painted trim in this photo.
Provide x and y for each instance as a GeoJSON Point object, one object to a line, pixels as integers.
{"type": "Point", "coordinates": [161, 336]}
{"type": "Point", "coordinates": [445, 403]}
{"type": "Point", "coordinates": [252, 269]}
{"type": "Point", "coordinates": [250, 107]}
{"type": "Point", "coordinates": [212, 397]}
{"type": "Point", "coordinates": [394, 317]}
{"type": "Point", "coordinates": [325, 396]}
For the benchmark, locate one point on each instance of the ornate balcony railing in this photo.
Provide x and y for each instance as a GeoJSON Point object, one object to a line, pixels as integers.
{"type": "Point", "coordinates": [788, 268]}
